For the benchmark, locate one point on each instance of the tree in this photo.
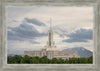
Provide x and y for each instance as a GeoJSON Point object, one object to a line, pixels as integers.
{"type": "Point", "coordinates": [66, 61]}
{"type": "Point", "coordinates": [14, 59]}
{"type": "Point", "coordinates": [35, 60]}
{"type": "Point", "coordinates": [61, 61]}
{"type": "Point", "coordinates": [17, 59]}
{"type": "Point", "coordinates": [90, 59]}
{"type": "Point", "coordinates": [54, 61]}
{"type": "Point", "coordinates": [26, 59]}
{"type": "Point", "coordinates": [44, 59]}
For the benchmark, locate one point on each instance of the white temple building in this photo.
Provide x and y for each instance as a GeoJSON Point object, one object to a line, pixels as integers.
{"type": "Point", "coordinates": [50, 49]}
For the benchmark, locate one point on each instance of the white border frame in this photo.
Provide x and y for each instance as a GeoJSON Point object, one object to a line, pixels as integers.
{"type": "Point", "coordinates": [5, 66]}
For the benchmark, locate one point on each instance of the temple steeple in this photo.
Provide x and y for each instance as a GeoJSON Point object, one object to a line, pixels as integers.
{"type": "Point", "coordinates": [50, 23]}
{"type": "Point", "coordinates": [50, 42]}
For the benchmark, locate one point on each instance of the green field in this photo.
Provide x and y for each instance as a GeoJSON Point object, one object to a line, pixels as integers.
{"type": "Point", "coordinates": [44, 60]}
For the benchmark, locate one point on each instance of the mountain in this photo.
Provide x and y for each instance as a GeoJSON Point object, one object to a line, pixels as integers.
{"type": "Point", "coordinates": [82, 52]}
{"type": "Point", "coordinates": [11, 54]}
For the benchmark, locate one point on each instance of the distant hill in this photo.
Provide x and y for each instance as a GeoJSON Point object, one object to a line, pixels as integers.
{"type": "Point", "coordinates": [82, 52]}
{"type": "Point", "coordinates": [11, 54]}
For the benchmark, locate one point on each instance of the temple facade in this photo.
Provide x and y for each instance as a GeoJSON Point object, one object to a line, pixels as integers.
{"type": "Point", "coordinates": [51, 51]}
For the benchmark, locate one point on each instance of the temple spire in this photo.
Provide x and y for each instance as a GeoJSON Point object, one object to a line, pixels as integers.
{"type": "Point", "coordinates": [50, 23]}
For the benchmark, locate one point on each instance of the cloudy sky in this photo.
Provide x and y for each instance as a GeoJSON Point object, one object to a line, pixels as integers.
{"type": "Point", "coordinates": [27, 27]}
